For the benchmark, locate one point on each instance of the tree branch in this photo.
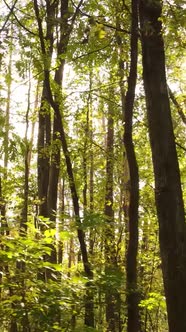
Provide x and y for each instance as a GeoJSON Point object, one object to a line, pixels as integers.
{"type": "Point", "coordinates": [76, 12]}
{"type": "Point", "coordinates": [180, 111]}
{"type": "Point", "coordinates": [91, 52]}
{"type": "Point", "coordinates": [180, 146]}
{"type": "Point", "coordinates": [41, 34]}
{"type": "Point", "coordinates": [9, 14]}
{"type": "Point", "coordinates": [16, 18]}
{"type": "Point", "coordinates": [99, 22]}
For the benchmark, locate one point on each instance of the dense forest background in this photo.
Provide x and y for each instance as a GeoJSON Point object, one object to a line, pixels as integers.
{"type": "Point", "coordinates": [92, 165]}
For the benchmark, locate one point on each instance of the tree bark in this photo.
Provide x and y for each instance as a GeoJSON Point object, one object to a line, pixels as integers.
{"type": "Point", "coordinates": [91, 170]}
{"type": "Point", "coordinates": [133, 322]}
{"type": "Point", "coordinates": [168, 193]}
{"type": "Point", "coordinates": [44, 130]}
{"type": "Point", "coordinates": [43, 160]}
{"type": "Point", "coordinates": [89, 296]}
{"type": "Point", "coordinates": [111, 267]}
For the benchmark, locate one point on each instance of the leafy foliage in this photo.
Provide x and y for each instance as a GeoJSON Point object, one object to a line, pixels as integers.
{"type": "Point", "coordinates": [43, 286]}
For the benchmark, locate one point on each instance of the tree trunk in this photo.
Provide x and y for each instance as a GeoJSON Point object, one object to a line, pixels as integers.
{"type": "Point", "coordinates": [91, 170]}
{"type": "Point", "coordinates": [44, 130]}
{"type": "Point", "coordinates": [132, 187]}
{"type": "Point", "coordinates": [52, 192]}
{"type": "Point", "coordinates": [168, 194]}
{"type": "Point", "coordinates": [111, 298]}
{"type": "Point", "coordinates": [60, 225]}
{"type": "Point", "coordinates": [43, 161]}
{"type": "Point", "coordinates": [89, 296]}
{"type": "Point", "coordinates": [52, 195]}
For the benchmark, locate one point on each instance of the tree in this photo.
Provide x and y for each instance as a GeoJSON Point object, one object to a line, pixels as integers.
{"type": "Point", "coordinates": [168, 192]}
{"type": "Point", "coordinates": [133, 217]}
{"type": "Point", "coordinates": [112, 312]}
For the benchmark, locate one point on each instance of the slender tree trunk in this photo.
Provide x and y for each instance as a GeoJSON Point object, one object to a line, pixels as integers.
{"type": "Point", "coordinates": [43, 161]}
{"type": "Point", "coordinates": [84, 163]}
{"type": "Point", "coordinates": [20, 265]}
{"type": "Point", "coordinates": [133, 324]}
{"type": "Point", "coordinates": [13, 327]}
{"type": "Point", "coordinates": [1, 231]}
{"type": "Point", "coordinates": [168, 194]}
{"type": "Point", "coordinates": [7, 125]}
{"type": "Point", "coordinates": [53, 184]}
{"type": "Point", "coordinates": [24, 214]}
{"type": "Point", "coordinates": [4, 224]}
{"type": "Point", "coordinates": [8, 102]}
{"type": "Point", "coordinates": [61, 219]}
{"type": "Point", "coordinates": [89, 297]}
{"type": "Point", "coordinates": [91, 169]}
{"type": "Point", "coordinates": [112, 314]}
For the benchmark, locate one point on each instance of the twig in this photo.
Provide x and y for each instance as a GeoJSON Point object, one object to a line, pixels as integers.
{"type": "Point", "coordinates": [180, 111]}
{"type": "Point", "coordinates": [181, 146]}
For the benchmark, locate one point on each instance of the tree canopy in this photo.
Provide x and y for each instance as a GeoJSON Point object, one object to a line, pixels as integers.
{"type": "Point", "coordinates": [92, 166]}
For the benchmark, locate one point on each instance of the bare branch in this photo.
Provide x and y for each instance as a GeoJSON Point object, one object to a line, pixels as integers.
{"type": "Point", "coordinates": [175, 102]}
{"type": "Point", "coordinates": [180, 146]}
{"type": "Point", "coordinates": [91, 52]}
{"type": "Point", "coordinates": [9, 14]}
{"type": "Point", "coordinates": [76, 12]}
{"type": "Point", "coordinates": [16, 18]}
